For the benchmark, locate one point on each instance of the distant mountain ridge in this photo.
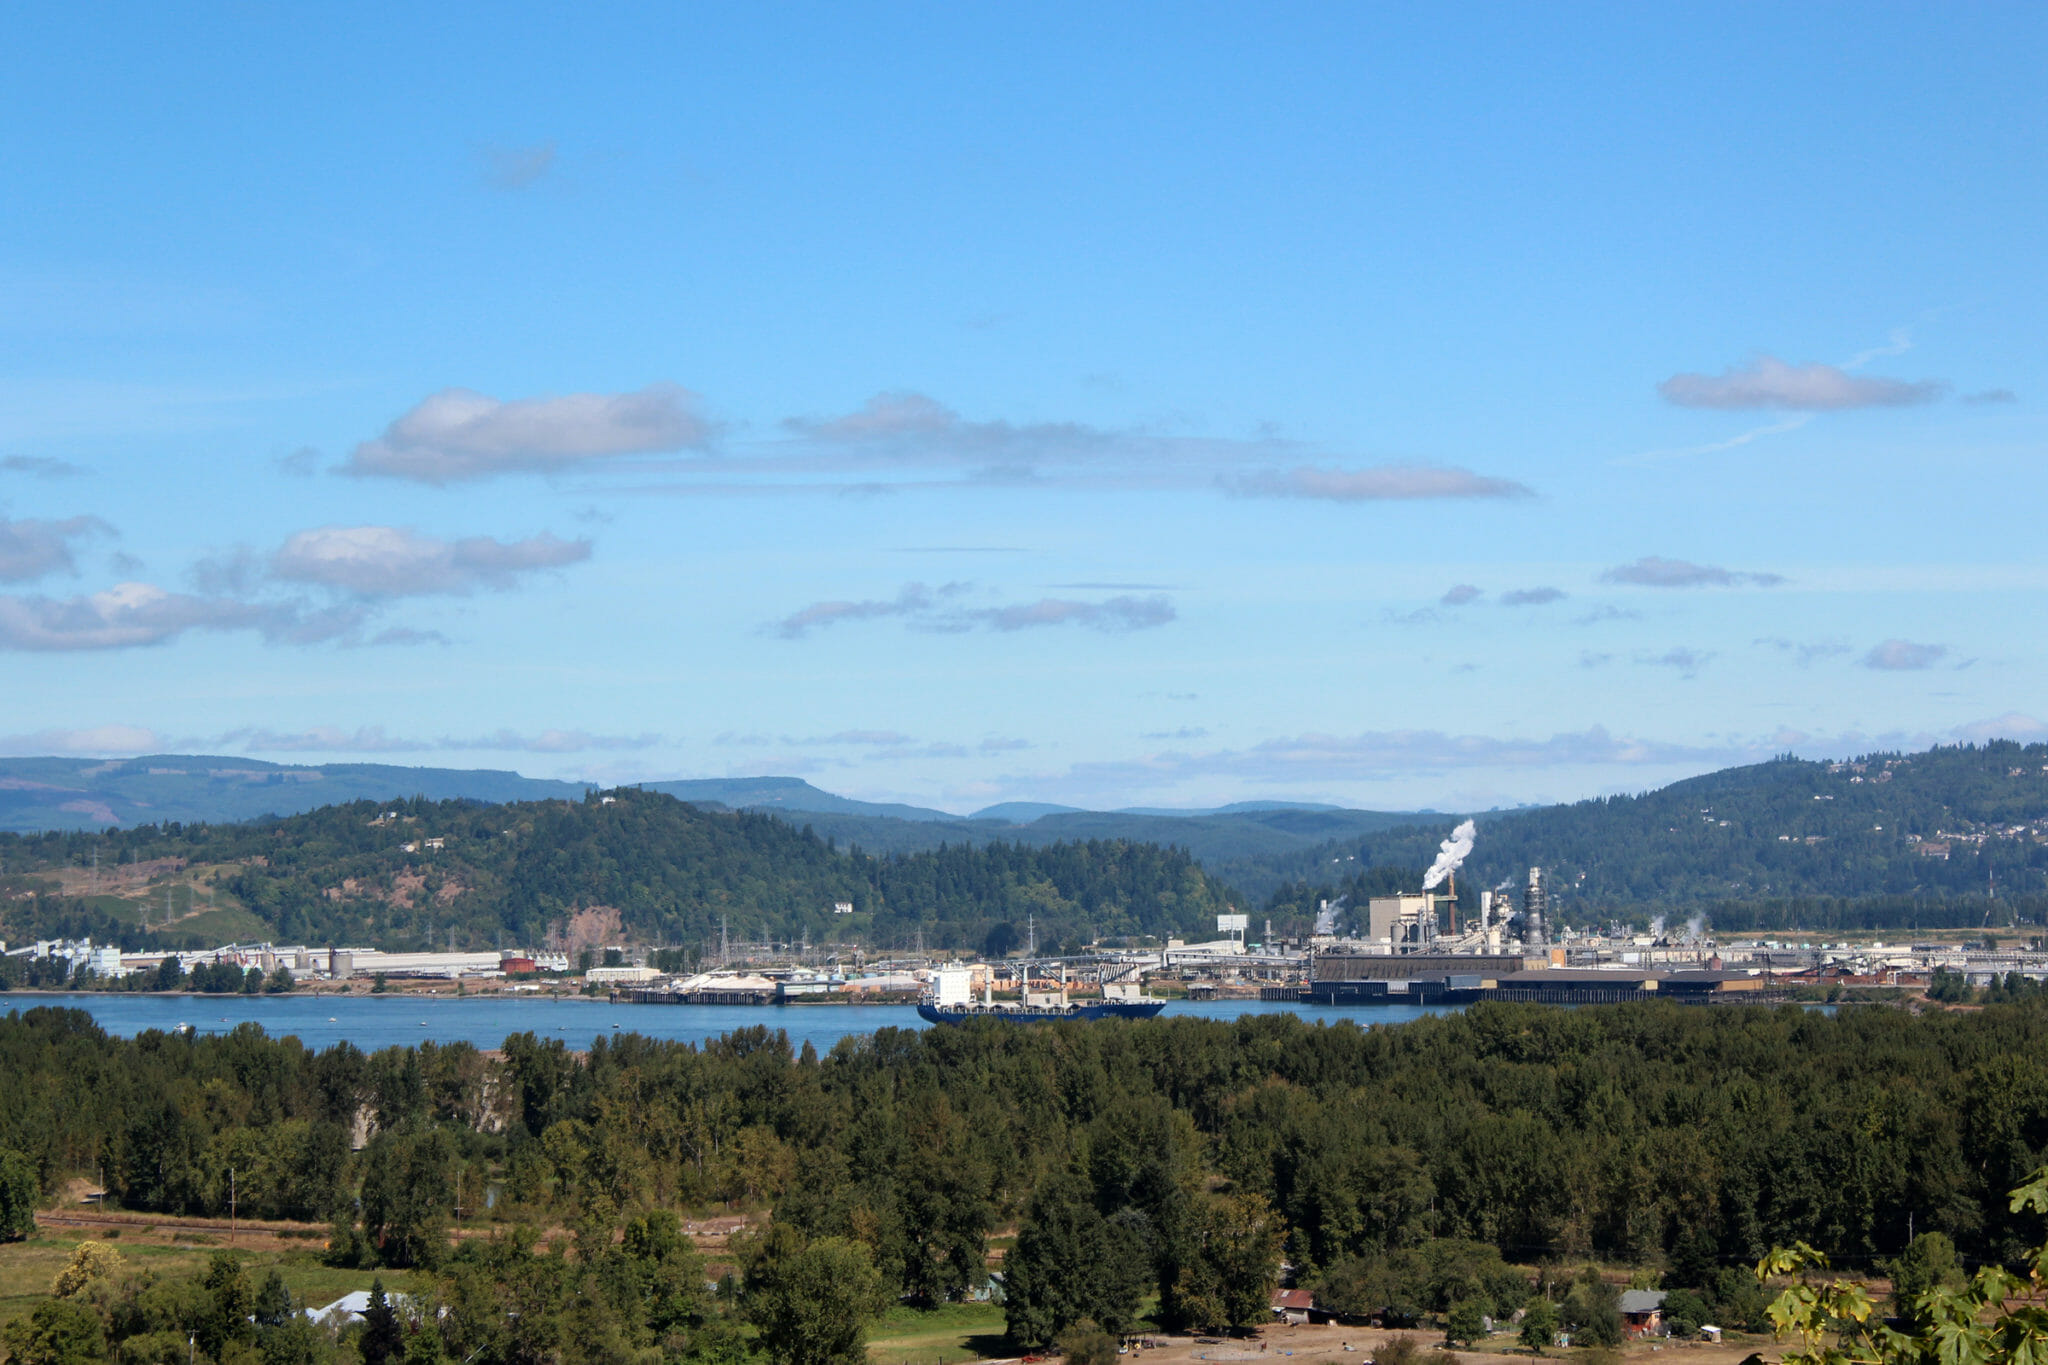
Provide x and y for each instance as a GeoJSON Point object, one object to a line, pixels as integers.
{"type": "Point", "coordinates": [1242, 844]}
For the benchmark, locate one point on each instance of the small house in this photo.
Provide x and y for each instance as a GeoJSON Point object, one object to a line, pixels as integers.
{"type": "Point", "coordinates": [1642, 1313]}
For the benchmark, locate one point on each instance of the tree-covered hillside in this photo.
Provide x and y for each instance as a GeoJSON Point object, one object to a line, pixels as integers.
{"type": "Point", "coordinates": [1952, 836]}
{"type": "Point", "coordinates": [652, 868]}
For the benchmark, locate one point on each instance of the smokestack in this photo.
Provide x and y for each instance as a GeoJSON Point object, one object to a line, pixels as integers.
{"type": "Point", "coordinates": [1532, 909]}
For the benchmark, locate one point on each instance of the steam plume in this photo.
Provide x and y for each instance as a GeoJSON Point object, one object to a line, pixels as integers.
{"type": "Point", "coordinates": [1451, 855]}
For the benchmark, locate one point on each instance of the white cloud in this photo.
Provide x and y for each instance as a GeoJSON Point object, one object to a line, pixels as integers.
{"type": "Point", "coordinates": [1767, 382]}
{"type": "Point", "coordinates": [458, 434]}
{"type": "Point", "coordinates": [1379, 483]}
{"type": "Point", "coordinates": [1903, 655]}
{"type": "Point", "coordinates": [1532, 597]}
{"type": "Point", "coordinates": [93, 741]}
{"type": "Point", "coordinates": [133, 614]}
{"type": "Point", "coordinates": [1655, 571]}
{"type": "Point", "coordinates": [393, 561]}
{"type": "Point", "coordinates": [31, 549]}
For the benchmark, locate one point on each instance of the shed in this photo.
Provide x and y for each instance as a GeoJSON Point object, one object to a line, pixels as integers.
{"type": "Point", "coordinates": [1293, 1305]}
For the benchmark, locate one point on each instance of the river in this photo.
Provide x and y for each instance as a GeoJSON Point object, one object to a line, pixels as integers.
{"type": "Point", "coordinates": [376, 1021]}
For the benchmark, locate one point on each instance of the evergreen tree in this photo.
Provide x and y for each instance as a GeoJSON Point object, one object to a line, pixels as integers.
{"type": "Point", "coordinates": [19, 1194]}
{"type": "Point", "coordinates": [383, 1336]}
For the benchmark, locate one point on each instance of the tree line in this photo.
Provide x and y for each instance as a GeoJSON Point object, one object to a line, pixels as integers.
{"type": "Point", "coordinates": [1404, 1170]}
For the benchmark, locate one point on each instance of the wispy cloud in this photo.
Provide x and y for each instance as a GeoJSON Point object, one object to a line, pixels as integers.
{"type": "Point", "coordinates": [1767, 382]}
{"type": "Point", "coordinates": [1115, 614]}
{"type": "Point", "coordinates": [1904, 656]}
{"type": "Point", "coordinates": [94, 741]}
{"type": "Point", "coordinates": [1687, 662]}
{"type": "Point", "coordinates": [549, 742]}
{"type": "Point", "coordinates": [940, 610]}
{"type": "Point", "coordinates": [514, 168]}
{"type": "Point", "coordinates": [2011, 725]}
{"type": "Point", "coordinates": [915, 599]}
{"type": "Point", "coordinates": [1380, 483]}
{"type": "Point", "coordinates": [1460, 595]}
{"type": "Point", "coordinates": [1606, 613]}
{"type": "Point", "coordinates": [1302, 761]}
{"type": "Point", "coordinates": [1984, 396]}
{"type": "Point", "coordinates": [42, 467]}
{"type": "Point", "coordinates": [458, 434]}
{"type": "Point", "coordinates": [1805, 652]}
{"type": "Point", "coordinates": [1532, 597]}
{"type": "Point", "coordinates": [1654, 571]}
{"type": "Point", "coordinates": [30, 549]}
{"type": "Point", "coordinates": [332, 739]}
{"type": "Point", "coordinates": [395, 561]}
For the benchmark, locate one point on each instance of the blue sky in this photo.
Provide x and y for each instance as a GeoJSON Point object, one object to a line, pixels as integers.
{"type": "Point", "coordinates": [1400, 406]}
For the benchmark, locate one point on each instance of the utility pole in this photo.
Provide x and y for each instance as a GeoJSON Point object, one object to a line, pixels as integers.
{"type": "Point", "coordinates": [231, 1206]}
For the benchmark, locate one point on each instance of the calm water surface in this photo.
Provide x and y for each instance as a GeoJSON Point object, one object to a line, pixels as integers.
{"type": "Point", "coordinates": [372, 1022]}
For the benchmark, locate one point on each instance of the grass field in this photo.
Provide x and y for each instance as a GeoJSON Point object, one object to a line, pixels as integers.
{"type": "Point", "coordinates": [26, 1269]}
{"type": "Point", "coordinates": [953, 1332]}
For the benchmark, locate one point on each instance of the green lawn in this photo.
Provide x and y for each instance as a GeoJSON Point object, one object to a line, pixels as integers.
{"type": "Point", "coordinates": [951, 1332]}
{"type": "Point", "coordinates": [26, 1269]}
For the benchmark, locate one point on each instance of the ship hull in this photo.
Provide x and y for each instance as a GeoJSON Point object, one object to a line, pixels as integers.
{"type": "Point", "coordinates": [1108, 1009]}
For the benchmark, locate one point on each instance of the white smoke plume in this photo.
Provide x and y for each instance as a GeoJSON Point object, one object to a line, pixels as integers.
{"type": "Point", "coordinates": [1657, 927]}
{"type": "Point", "coordinates": [1694, 927]}
{"type": "Point", "coordinates": [1326, 917]}
{"type": "Point", "coordinates": [1451, 854]}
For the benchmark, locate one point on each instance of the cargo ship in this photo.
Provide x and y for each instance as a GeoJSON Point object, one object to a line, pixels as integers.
{"type": "Point", "coordinates": [951, 1001]}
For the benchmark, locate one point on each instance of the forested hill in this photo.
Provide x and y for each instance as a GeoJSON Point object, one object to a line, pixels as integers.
{"type": "Point", "coordinates": [1953, 835]}
{"type": "Point", "coordinates": [637, 866]}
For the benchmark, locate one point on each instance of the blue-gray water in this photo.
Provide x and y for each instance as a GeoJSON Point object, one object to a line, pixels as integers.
{"type": "Point", "coordinates": [372, 1022]}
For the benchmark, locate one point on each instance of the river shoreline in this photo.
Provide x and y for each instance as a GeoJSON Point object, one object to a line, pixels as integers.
{"type": "Point", "coordinates": [370, 1022]}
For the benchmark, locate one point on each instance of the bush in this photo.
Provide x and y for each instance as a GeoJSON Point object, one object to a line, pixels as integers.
{"type": "Point", "coordinates": [1397, 1351]}
{"type": "Point", "coordinates": [1539, 1325]}
{"type": "Point", "coordinates": [1086, 1344]}
{"type": "Point", "coordinates": [1685, 1311]}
